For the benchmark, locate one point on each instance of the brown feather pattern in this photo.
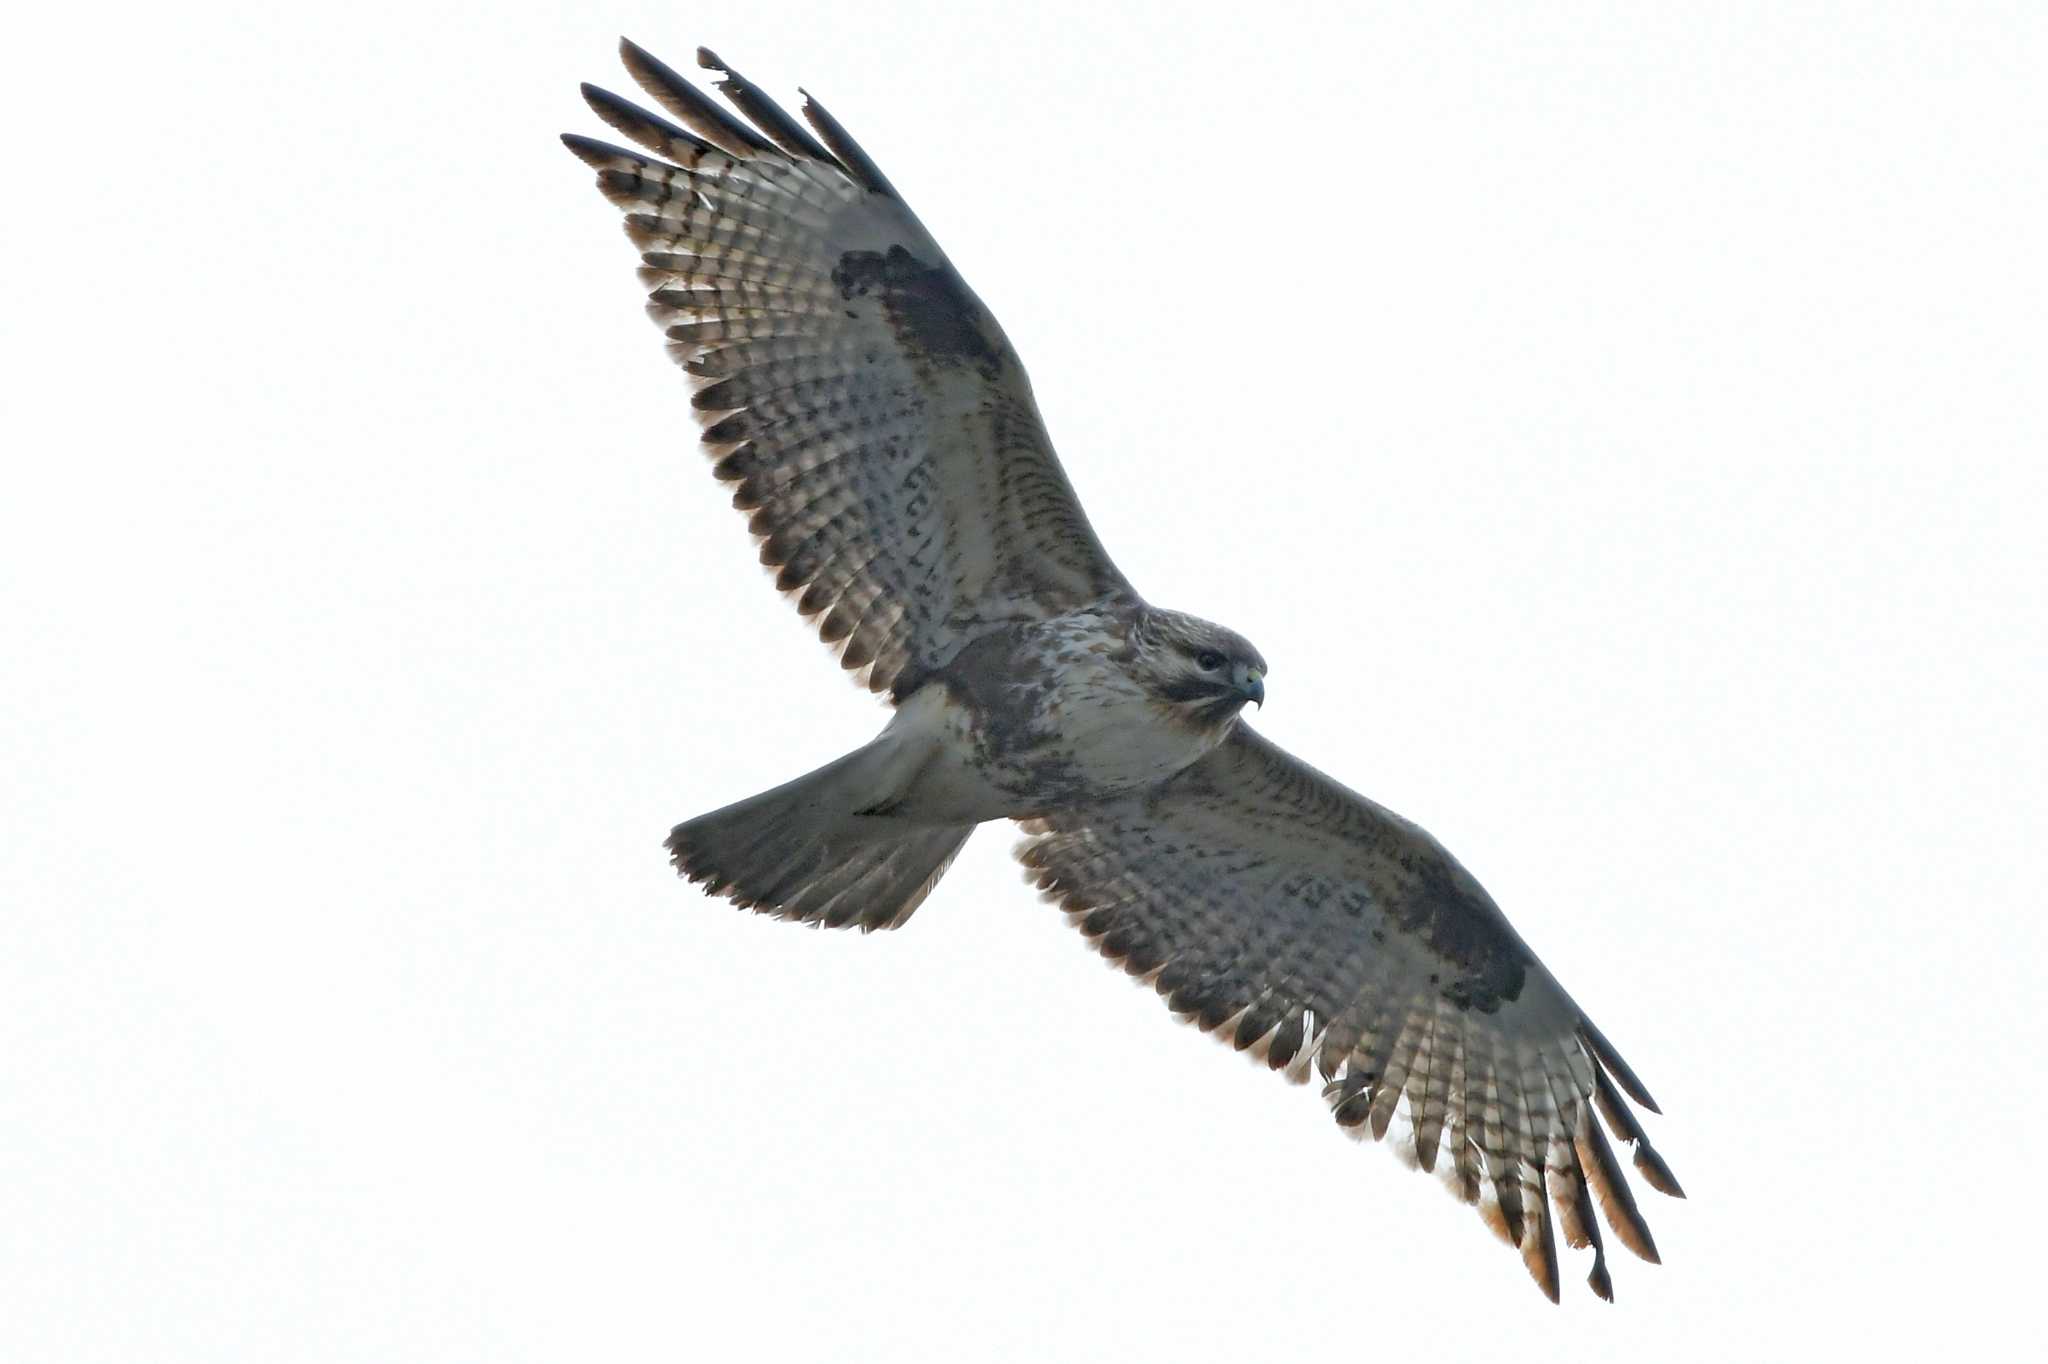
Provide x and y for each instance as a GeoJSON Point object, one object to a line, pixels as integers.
{"type": "Point", "coordinates": [1258, 895]}
{"type": "Point", "coordinates": [880, 435]}
{"type": "Point", "coordinates": [879, 427]}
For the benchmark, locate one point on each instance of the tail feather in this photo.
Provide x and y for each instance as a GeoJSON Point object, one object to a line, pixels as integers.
{"type": "Point", "coordinates": [804, 852]}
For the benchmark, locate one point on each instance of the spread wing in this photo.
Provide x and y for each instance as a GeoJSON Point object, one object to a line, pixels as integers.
{"type": "Point", "coordinates": [879, 427]}
{"type": "Point", "coordinates": [1298, 920]}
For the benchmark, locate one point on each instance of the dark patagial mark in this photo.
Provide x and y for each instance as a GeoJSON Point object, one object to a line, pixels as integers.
{"type": "Point", "coordinates": [1002, 683]}
{"type": "Point", "coordinates": [929, 306]}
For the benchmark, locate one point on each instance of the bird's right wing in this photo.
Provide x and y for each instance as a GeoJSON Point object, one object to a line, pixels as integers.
{"type": "Point", "coordinates": [1299, 920]}
{"type": "Point", "coordinates": [879, 427]}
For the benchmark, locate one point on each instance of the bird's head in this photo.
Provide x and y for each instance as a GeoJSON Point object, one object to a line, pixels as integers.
{"type": "Point", "coordinates": [1196, 668]}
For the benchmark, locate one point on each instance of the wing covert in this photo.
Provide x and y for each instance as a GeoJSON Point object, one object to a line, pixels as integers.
{"type": "Point", "coordinates": [1302, 922]}
{"type": "Point", "coordinates": [879, 429]}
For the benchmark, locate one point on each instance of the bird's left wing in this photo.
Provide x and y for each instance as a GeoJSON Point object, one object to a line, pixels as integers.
{"type": "Point", "coordinates": [1298, 920]}
{"type": "Point", "coordinates": [879, 429]}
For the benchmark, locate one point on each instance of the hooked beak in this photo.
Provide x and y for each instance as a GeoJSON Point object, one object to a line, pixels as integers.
{"type": "Point", "coordinates": [1253, 685]}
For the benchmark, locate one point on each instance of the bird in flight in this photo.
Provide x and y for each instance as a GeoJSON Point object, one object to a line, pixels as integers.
{"type": "Point", "coordinates": [879, 432]}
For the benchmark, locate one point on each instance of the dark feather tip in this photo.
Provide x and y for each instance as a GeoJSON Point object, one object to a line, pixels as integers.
{"type": "Point", "coordinates": [1620, 1069]}
{"type": "Point", "coordinates": [1655, 1172]}
{"type": "Point", "coordinates": [589, 150]}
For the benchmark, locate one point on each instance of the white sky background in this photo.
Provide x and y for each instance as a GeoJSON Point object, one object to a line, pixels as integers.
{"type": "Point", "coordinates": [1621, 428]}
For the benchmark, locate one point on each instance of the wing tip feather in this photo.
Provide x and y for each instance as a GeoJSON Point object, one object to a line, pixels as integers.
{"type": "Point", "coordinates": [1604, 1051]}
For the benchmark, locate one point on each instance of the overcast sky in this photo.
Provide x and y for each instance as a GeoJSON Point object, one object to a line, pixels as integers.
{"type": "Point", "coordinates": [1621, 427]}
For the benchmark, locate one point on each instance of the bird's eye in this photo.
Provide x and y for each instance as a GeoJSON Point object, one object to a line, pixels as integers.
{"type": "Point", "coordinates": [1208, 660]}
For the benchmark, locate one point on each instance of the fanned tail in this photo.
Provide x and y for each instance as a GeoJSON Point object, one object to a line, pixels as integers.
{"type": "Point", "coordinates": [809, 850]}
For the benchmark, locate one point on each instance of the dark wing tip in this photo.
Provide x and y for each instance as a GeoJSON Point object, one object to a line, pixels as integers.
{"type": "Point", "coordinates": [590, 151]}
{"type": "Point", "coordinates": [1625, 1125]}
{"type": "Point", "coordinates": [696, 109]}
{"type": "Point", "coordinates": [1543, 1266]}
{"type": "Point", "coordinates": [601, 100]}
{"type": "Point", "coordinates": [1601, 1282]}
{"type": "Point", "coordinates": [751, 100]}
{"type": "Point", "coordinates": [1620, 1069]}
{"type": "Point", "coordinates": [833, 143]}
{"type": "Point", "coordinates": [1656, 1172]}
{"type": "Point", "coordinates": [849, 153]}
{"type": "Point", "coordinates": [648, 129]}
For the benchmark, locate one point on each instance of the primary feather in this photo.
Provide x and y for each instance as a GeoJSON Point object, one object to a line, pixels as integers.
{"type": "Point", "coordinates": [879, 432]}
{"type": "Point", "coordinates": [851, 384]}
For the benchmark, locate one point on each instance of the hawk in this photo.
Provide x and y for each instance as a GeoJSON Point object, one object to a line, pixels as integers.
{"type": "Point", "coordinates": [879, 431]}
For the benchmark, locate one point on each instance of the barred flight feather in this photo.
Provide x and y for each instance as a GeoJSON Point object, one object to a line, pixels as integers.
{"type": "Point", "coordinates": [1434, 1007]}
{"type": "Point", "coordinates": [844, 375]}
{"type": "Point", "coordinates": [880, 437]}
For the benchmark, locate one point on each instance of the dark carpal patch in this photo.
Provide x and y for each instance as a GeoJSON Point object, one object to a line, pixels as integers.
{"type": "Point", "coordinates": [1460, 924]}
{"type": "Point", "coordinates": [929, 306]}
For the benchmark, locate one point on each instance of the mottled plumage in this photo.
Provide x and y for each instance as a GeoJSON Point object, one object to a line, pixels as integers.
{"type": "Point", "coordinates": [881, 434]}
